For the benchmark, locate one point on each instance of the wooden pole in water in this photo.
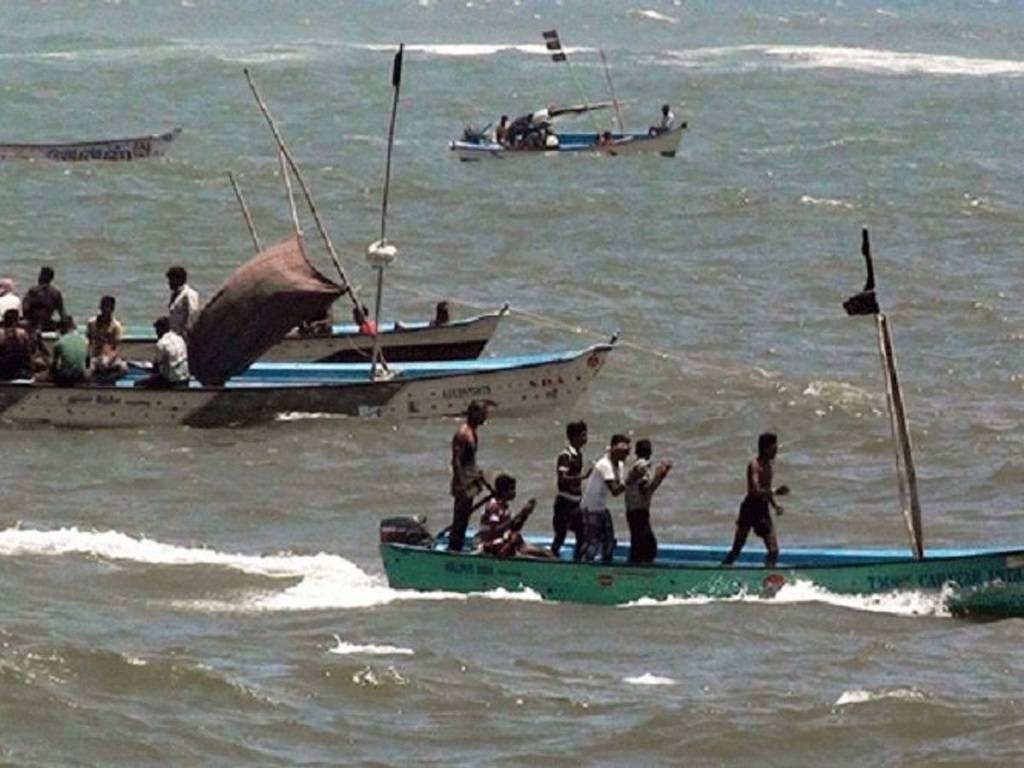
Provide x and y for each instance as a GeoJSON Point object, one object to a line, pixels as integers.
{"type": "Point", "coordinates": [898, 418]}
{"type": "Point", "coordinates": [346, 283]}
{"type": "Point", "coordinates": [245, 212]}
{"type": "Point", "coordinates": [611, 90]}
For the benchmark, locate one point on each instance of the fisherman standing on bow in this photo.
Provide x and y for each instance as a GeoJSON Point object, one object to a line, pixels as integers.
{"type": "Point", "coordinates": [755, 509]}
{"type": "Point", "coordinates": [606, 478]}
{"type": "Point", "coordinates": [467, 477]}
{"type": "Point", "coordinates": [183, 305]}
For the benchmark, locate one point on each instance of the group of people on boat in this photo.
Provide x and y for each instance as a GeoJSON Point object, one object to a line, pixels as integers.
{"type": "Point", "coordinates": [583, 491]}
{"type": "Point", "coordinates": [534, 131]}
{"type": "Point", "coordinates": [96, 356]}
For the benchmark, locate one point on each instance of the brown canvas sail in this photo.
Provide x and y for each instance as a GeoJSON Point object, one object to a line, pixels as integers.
{"type": "Point", "coordinates": [260, 302]}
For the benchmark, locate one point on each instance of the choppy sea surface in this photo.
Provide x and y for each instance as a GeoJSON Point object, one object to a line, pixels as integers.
{"type": "Point", "coordinates": [187, 597]}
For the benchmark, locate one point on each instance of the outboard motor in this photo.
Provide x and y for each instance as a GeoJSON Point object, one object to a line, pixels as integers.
{"type": "Point", "coordinates": [406, 530]}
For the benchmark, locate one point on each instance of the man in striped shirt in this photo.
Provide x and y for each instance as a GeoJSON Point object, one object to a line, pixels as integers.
{"type": "Point", "coordinates": [569, 476]}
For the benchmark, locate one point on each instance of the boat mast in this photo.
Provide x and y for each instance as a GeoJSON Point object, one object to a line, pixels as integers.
{"type": "Point", "coordinates": [554, 44]}
{"type": "Point", "coordinates": [245, 212]}
{"type": "Point", "coordinates": [381, 253]}
{"type": "Point", "coordinates": [866, 303]}
{"type": "Point", "coordinates": [611, 90]}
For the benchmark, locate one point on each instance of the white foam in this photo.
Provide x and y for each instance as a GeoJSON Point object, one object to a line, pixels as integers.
{"type": "Point", "coordinates": [325, 581]}
{"type": "Point", "coordinates": [873, 60]}
{"type": "Point", "coordinates": [828, 202]}
{"type": "Point", "coordinates": [345, 649]}
{"type": "Point", "coordinates": [648, 679]}
{"type": "Point", "coordinates": [862, 696]}
{"type": "Point", "coordinates": [655, 16]}
{"type": "Point", "coordinates": [473, 49]}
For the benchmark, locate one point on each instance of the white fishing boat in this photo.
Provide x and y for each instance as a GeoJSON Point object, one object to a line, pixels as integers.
{"type": "Point", "coordinates": [471, 148]}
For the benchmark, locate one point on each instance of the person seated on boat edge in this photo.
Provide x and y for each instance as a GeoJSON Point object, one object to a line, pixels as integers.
{"type": "Point", "coordinates": [42, 301]}
{"type": "Point", "coordinates": [642, 480]}
{"type": "Point", "coordinates": [668, 120]}
{"type": "Point", "coordinates": [501, 131]}
{"type": "Point", "coordinates": [15, 348]}
{"type": "Point", "coordinates": [755, 509]}
{"type": "Point", "coordinates": [442, 314]}
{"type": "Point", "coordinates": [170, 366]}
{"type": "Point", "coordinates": [103, 332]}
{"type": "Point", "coordinates": [70, 355]}
{"type": "Point", "coordinates": [605, 139]}
{"type": "Point", "coordinates": [467, 478]}
{"type": "Point", "coordinates": [183, 305]}
{"type": "Point", "coordinates": [361, 317]}
{"type": "Point", "coordinates": [8, 298]}
{"type": "Point", "coordinates": [605, 479]}
{"type": "Point", "coordinates": [499, 532]}
{"type": "Point", "coordinates": [321, 325]}
{"type": "Point", "coordinates": [569, 477]}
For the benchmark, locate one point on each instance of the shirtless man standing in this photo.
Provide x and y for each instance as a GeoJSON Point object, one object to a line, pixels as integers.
{"type": "Point", "coordinates": [467, 478]}
{"type": "Point", "coordinates": [755, 509]}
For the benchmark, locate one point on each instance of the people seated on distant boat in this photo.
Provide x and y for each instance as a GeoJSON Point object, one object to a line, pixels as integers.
{"type": "Point", "coordinates": [321, 325]}
{"type": "Point", "coordinates": [668, 120]}
{"type": "Point", "coordinates": [183, 305]}
{"type": "Point", "coordinates": [15, 348]}
{"type": "Point", "coordinates": [42, 302]}
{"type": "Point", "coordinates": [642, 480]}
{"type": "Point", "coordinates": [170, 366]}
{"type": "Point", "coordinates": [500, 531]}
{"type": "Point", "coordinates": [605, 139]}
{"type": "Point", "coordinates": [70, 364]}
{"type": "Point", "coordinates": [8, 298]}
{"type": "Point", "coordinates": [442, 314]}
{"type": "Point", "coordinates": [501, 131]}
{"type": "Point", "coordinates": [755, 509]}
{"type": "Point", "coordinates": [605, 479]}
{"type": "Point", "coordinates": [569, 477]}
{"type": "Point", "coordinates": [361, 317]}
{"type": "Point", "coordinates": [467, 477]}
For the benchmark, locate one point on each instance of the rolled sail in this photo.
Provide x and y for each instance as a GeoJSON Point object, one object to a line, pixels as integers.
{"type": "Point", "coordinates": [264, 299]}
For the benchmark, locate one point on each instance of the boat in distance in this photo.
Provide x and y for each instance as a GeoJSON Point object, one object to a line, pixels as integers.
{"type": "Point", "coordinates": [983, 582]}
{"type": "Point", "coordinates": [665, 144]}
{"type": "Point", "coordinates": [462, 339]}
{"type": "Point", "coordinates": [510, 386]}
{"type": "Point", "coordinates": [136, 148]}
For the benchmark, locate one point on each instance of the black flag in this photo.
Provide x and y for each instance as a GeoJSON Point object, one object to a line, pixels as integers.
{"type": "Point", "coordinates": [554, 45]}
{"type": "Point", "coordinates": [396, 68]}
{"type": "Point", "coordinates": [865, 302]}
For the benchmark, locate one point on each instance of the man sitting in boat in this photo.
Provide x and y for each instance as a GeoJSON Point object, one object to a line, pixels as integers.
{"type": "Point", "coordinates": [170, 366]}
{"type": "Point", "coordinates": [442, 314]}
{"type": "Point", "coordinates": [8, 298]}
{"type": "Point", "coordinates": [501, 131]}
{"type": "Point", "coordinates": [668, 120]}
{"type": "Point", "coordinates": [755, 509]}
{"type": "Point", "coordinates": [499, 532]}
{"type": "Point", "coordinates": [605, 479]}
{"type": "Point", "coordinates": [15, 349]}
{"type": "Point", "coordinates": [70, 355]}
{"type": "Point", "coordinates": [42, 301]}
{"type": "Point", "coordinates": [103, 332]}
{"type": "Point", "coordinates": [642, 480]}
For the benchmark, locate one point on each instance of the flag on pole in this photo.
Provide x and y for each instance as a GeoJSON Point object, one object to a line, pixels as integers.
{"type": "Point", "coordinates": [865, 302]}
{"type": "Point", "coordinates": [554, 45]}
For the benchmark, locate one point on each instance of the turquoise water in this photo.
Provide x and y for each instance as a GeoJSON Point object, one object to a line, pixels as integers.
{"type": "Point", "coordinates": [215, 597]}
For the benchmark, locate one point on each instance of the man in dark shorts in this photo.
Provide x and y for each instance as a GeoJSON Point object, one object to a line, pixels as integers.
{"type": "Point", "coordinates": [755, 509]}
{"type": "Point", "coordinates": [569, 476]}
{"type": "Point", "coordinates": [467, 478]}
{"type": "Point", "coordinates": [642, 480]}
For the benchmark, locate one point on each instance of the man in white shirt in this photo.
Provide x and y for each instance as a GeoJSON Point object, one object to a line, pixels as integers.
{"type": "Point", "coordinates": [8, 298]}
{"type": "Point", "coordinates": [605, 478]}
{"type": "Point", "coordinates": [170, 366]}
{"type": "Point", "coordinates": [183, 306]}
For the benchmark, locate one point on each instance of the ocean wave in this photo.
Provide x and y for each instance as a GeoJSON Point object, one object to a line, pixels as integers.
{"type": "Point", "coordinates": [872, 60]}
{"type": "Point", "coordinates": [862, 696]}
{"type": "Point", "coordinates": [655, 16]}
{"type": "Point", "coordinates": [826, 202]}
{"type": "Point", "coordinates": [648, 679]}
{"type": "Point", "coordinates": [344, 649]}
{"type": "Point", "coordinates": [471, 49]}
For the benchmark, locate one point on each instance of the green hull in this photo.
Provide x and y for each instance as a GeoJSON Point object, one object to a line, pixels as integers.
{"type": "Point", "coordinates": [684, 572]}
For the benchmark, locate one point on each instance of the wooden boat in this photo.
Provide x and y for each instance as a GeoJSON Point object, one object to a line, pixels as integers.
{"type": "Point", "coordinates": [106, 149]}
{"type": "Point", "coordinates": [983, 581]}
{"type": "Point", "coordinates": [976, 581]}
{"type": "Point", "coordinates": [512, 386]}
{"type": "Point", "coordinates": [458, 340]}
{"type": "Point", "coordinates": [665, 144]}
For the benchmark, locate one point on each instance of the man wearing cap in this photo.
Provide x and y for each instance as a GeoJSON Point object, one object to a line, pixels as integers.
{"type": "Point", "coordinates": [605, 478]}
{"type": "Point", "coordinates": [183, 306]}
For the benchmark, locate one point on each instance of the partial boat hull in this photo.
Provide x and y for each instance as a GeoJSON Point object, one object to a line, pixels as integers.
{"type": "Point", "coordinates": [665, 144]}
{"type": "Point", "coordinates": [511, 386]}
{"type": "Point", "coordinates": [458, 340]}
{"type": "Point", "coordinates": [109, 149]}
{"type": "Point", "coordinates": [694, 571]}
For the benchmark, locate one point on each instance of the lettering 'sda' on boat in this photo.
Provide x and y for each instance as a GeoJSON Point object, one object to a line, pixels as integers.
{"type": "Point", "coordinates": [136, 148]}
{"type": "Point", "coordinates": [977, 582]}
